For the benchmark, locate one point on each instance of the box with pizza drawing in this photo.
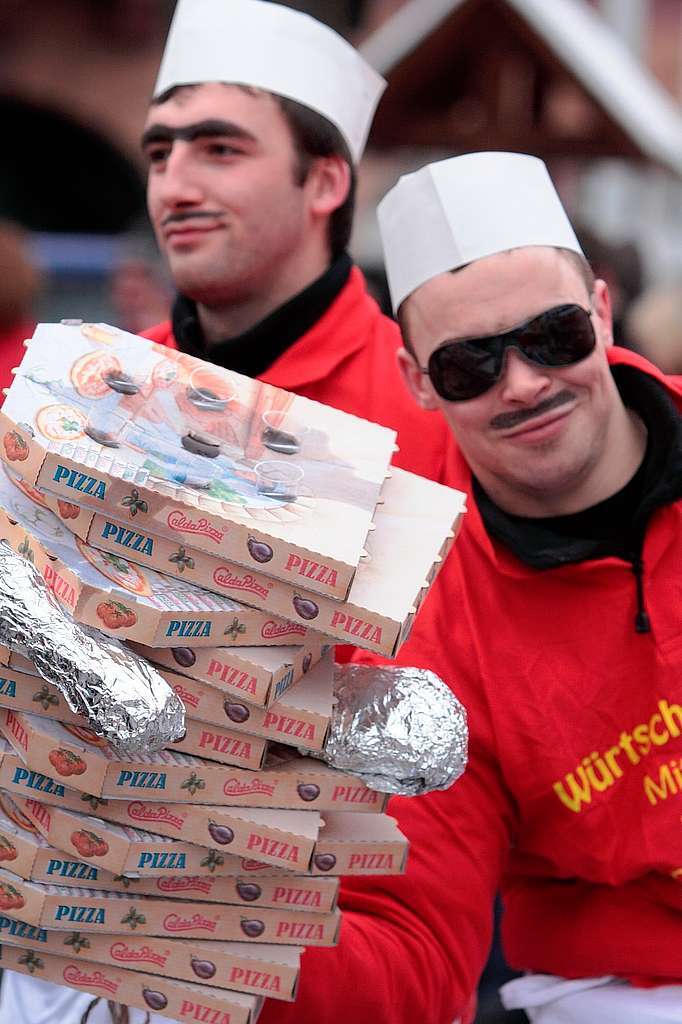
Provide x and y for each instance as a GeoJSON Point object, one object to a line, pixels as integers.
{"type": "Point", "coordinates": [68, 909]}
{"type": "Point", "coordinates": [116, 596]}
{"type": "Point", "coordinates": [262, 969]}
{"type": "Point", "coordinates": [262, 477]}
{"type": "Point", "coordinates": [168, 997]}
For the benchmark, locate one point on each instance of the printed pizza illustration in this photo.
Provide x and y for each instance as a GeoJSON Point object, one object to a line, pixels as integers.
{"type": "Point", "coordinates": [34, 495]}
{"type": "Point", "coordinates": [7, 850]}
{"type": "Point", "coordinates": [168, 372]}
{"type": "Point", "coordinates": [89, 371]}
{"type": "Point", "coordinates": [81, 732]}
{"type": "Point", "coordinates": [11, 811]}
{"type": "Point", "coordinates": [66, 762]}
{"type": "Point", "coordinates": [61, 422]}
{"type": "Point", "coordinates": [124, 574]}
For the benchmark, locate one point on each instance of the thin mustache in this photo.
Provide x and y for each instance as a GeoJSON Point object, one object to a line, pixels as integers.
{"type": "Point", "coordinates": [181, 217]}
{"type": "Point", "coordinates": [507, 420]}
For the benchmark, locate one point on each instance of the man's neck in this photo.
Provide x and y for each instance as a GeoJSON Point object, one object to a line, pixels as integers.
{"type": "Point", "coordinates": [230, 319]}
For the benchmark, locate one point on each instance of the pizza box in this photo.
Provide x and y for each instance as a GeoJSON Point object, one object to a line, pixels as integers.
{"type": "Point", "coordinates": [25, 852]}
{"type": "Point", "coordinates": [118, 850]}
{"type": "Point", "coordinates": [415, 517]}
{"type": "Point", "coordinates": [282, 838]}
{"type": "Point", "coordinates": [21, 692]}
{"type": "Point", "coordinates": [123, 599]}
{"type": "Point", "coordinates": [258, 675]}
{"type": "Point", "coordinates": [62, 908]}
{"type": "Point", "coordinates": [189, 450]}
{"type": "Point", "coordinates": [167, 997]}
{"type": "Point", "coordinates": [262, 969]}
{"type": "Point", "coordinates": [301, 718]}
{"type": "Point", "coordinates": [291, 783]}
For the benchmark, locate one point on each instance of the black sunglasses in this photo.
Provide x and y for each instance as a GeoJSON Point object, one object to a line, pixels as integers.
{"type": "Point", "coordinates": [467, 368]}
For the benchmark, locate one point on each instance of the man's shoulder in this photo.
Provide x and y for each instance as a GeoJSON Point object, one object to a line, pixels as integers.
{"type": "Point", "coordinates": [161, 333]}
{"type": "Point", "coordinates": [626, 357]}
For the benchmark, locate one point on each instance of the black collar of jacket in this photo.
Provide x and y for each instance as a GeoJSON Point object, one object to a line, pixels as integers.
{"type": "Point", "coordinates": [254, 351]}
{"type": "Point", "coordinates": [540, 547]}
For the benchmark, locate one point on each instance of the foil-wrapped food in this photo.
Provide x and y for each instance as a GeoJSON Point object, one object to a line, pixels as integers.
{"type": "Point", "coordinates": [401, 729]}
{"type": "Point", "coordinates": [125, 700]}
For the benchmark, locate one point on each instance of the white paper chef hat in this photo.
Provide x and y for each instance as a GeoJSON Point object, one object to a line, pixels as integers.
{"type": "Point", "coordinates": [459, 210]}
{"type": "Point", "coordinates": [252, 42]}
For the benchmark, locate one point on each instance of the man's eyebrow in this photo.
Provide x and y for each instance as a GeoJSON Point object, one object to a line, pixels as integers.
{"type": "Point", "coordinates": [201, 129]}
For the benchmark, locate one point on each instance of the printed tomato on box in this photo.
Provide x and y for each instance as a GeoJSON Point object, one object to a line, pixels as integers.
{"type": "Point", "coordinates": [241, 468]}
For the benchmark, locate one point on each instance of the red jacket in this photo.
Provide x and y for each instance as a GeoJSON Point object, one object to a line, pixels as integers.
{"type": "Point", "coordinates": [348, 360]}
{"type": "Point", "coordinates": [12, 351]}
{"type": "Point", "coordinates": [571, 803]}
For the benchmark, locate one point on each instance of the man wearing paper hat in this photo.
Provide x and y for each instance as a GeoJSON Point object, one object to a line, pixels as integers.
{"type": "Point", "coordinates": [260, 115]}
{"type": "Point", "coordinates": [557, 618]}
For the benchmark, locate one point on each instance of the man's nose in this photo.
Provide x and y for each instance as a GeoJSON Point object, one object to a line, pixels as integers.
{"type": "Point", "coordinates": [178, 183]}
{"type": "Point", "coordinates": [523, 381]}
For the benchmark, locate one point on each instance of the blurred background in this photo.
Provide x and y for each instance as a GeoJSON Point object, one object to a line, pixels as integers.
{"type": "Point", "coordinates": [592, 86]}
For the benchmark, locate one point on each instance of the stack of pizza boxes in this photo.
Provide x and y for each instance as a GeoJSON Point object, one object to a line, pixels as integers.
{"type": "Point", "coordinates": [231, 533]}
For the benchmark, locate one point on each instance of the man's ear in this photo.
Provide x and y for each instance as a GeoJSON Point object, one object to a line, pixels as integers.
{"type": "Point", "coordinates": [601, 303]}
{"type": "Point", "coordinates": [329, 181]}
{"type": "Point", "coordinates": [418, 383]}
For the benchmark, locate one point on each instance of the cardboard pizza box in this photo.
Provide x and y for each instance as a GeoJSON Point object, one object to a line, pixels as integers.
{"type": "Point", "coordinates": [26, 852]}
{"type": "Point", "coordinates": [20, 692]}
{"type": "Point", "coordinates": [169, 997]}
{"type": "Point", "coordinates": [76, 753]}
{"type": "Point", "coordinates": [65, 909]}
{"type": "Point", "coordinates": [300, 719]}
{"type": "Point", "coordinates": [263, 969]}
{"type": "Point", "coordinates": [116, 423]}
{"type": "Point", "coordinates": [414, 528]}
{"type": "Point", "coordinates": [117, 596]}
{"type": "Point", "coordinates": [118, 840]}
{"type": "Point", "coordinates": [258, 675]}
{"type": "Point", "coordinates": [291, 783]}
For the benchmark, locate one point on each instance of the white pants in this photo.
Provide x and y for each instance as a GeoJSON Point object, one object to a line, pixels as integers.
{"type": "Point", "coordinates": [551, 1000]}
{"type": "Point", "coordinates": [28, 1000]}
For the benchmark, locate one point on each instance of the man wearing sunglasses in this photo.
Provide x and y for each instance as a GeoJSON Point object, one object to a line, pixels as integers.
{"type": "Point", "coordinates": [556, 619]}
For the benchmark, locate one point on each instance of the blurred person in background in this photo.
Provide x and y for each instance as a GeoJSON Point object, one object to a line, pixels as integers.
{"type": "Point", "coordinates": [619, 264]}
{"type": "Point", "coordinates": [139, 291]}
{"type": "Point", "coordinates": [654, 326]}
{"type": "Point", "coordinates": [19, 289]}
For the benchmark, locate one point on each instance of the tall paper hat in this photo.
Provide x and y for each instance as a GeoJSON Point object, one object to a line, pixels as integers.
{"type": "Point", "coordinates": [252, 42]}
{"type": "Point", "coordinates": [456, 211]}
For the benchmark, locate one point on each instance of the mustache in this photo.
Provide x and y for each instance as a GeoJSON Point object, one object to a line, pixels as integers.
{"type": "Point", "coordinates": [507, 420]}
{"type": "Point", "coordinates": [180, 216]}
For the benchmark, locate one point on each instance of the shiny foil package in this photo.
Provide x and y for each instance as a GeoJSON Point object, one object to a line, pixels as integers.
{"type": "Point", "coordinates": [402, 730]}
{"type": "Point", "coordinates": [125, 700]}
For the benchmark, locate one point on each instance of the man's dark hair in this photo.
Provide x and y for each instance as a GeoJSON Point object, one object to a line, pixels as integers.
{"type": "Point", "coordinates": [313, 136]}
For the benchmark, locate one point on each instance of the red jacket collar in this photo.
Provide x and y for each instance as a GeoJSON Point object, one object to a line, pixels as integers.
{"type": "Point", "coordinates": [341, 331]}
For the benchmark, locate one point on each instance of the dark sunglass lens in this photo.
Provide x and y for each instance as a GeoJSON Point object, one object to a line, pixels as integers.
{"type": "Point", "coordinates": [463, 370]}
{"type": "Point", "coordinates": [559, 337]}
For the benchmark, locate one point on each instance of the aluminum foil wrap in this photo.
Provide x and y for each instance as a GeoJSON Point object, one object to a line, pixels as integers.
{"type": "Point", "coordinates": [401, 729]}
{"type": "Point", "coordinates": [125, 700]}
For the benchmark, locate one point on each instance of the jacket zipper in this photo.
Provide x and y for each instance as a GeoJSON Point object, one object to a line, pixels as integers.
{"type": "Point", "coordinates": [642, 620]}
